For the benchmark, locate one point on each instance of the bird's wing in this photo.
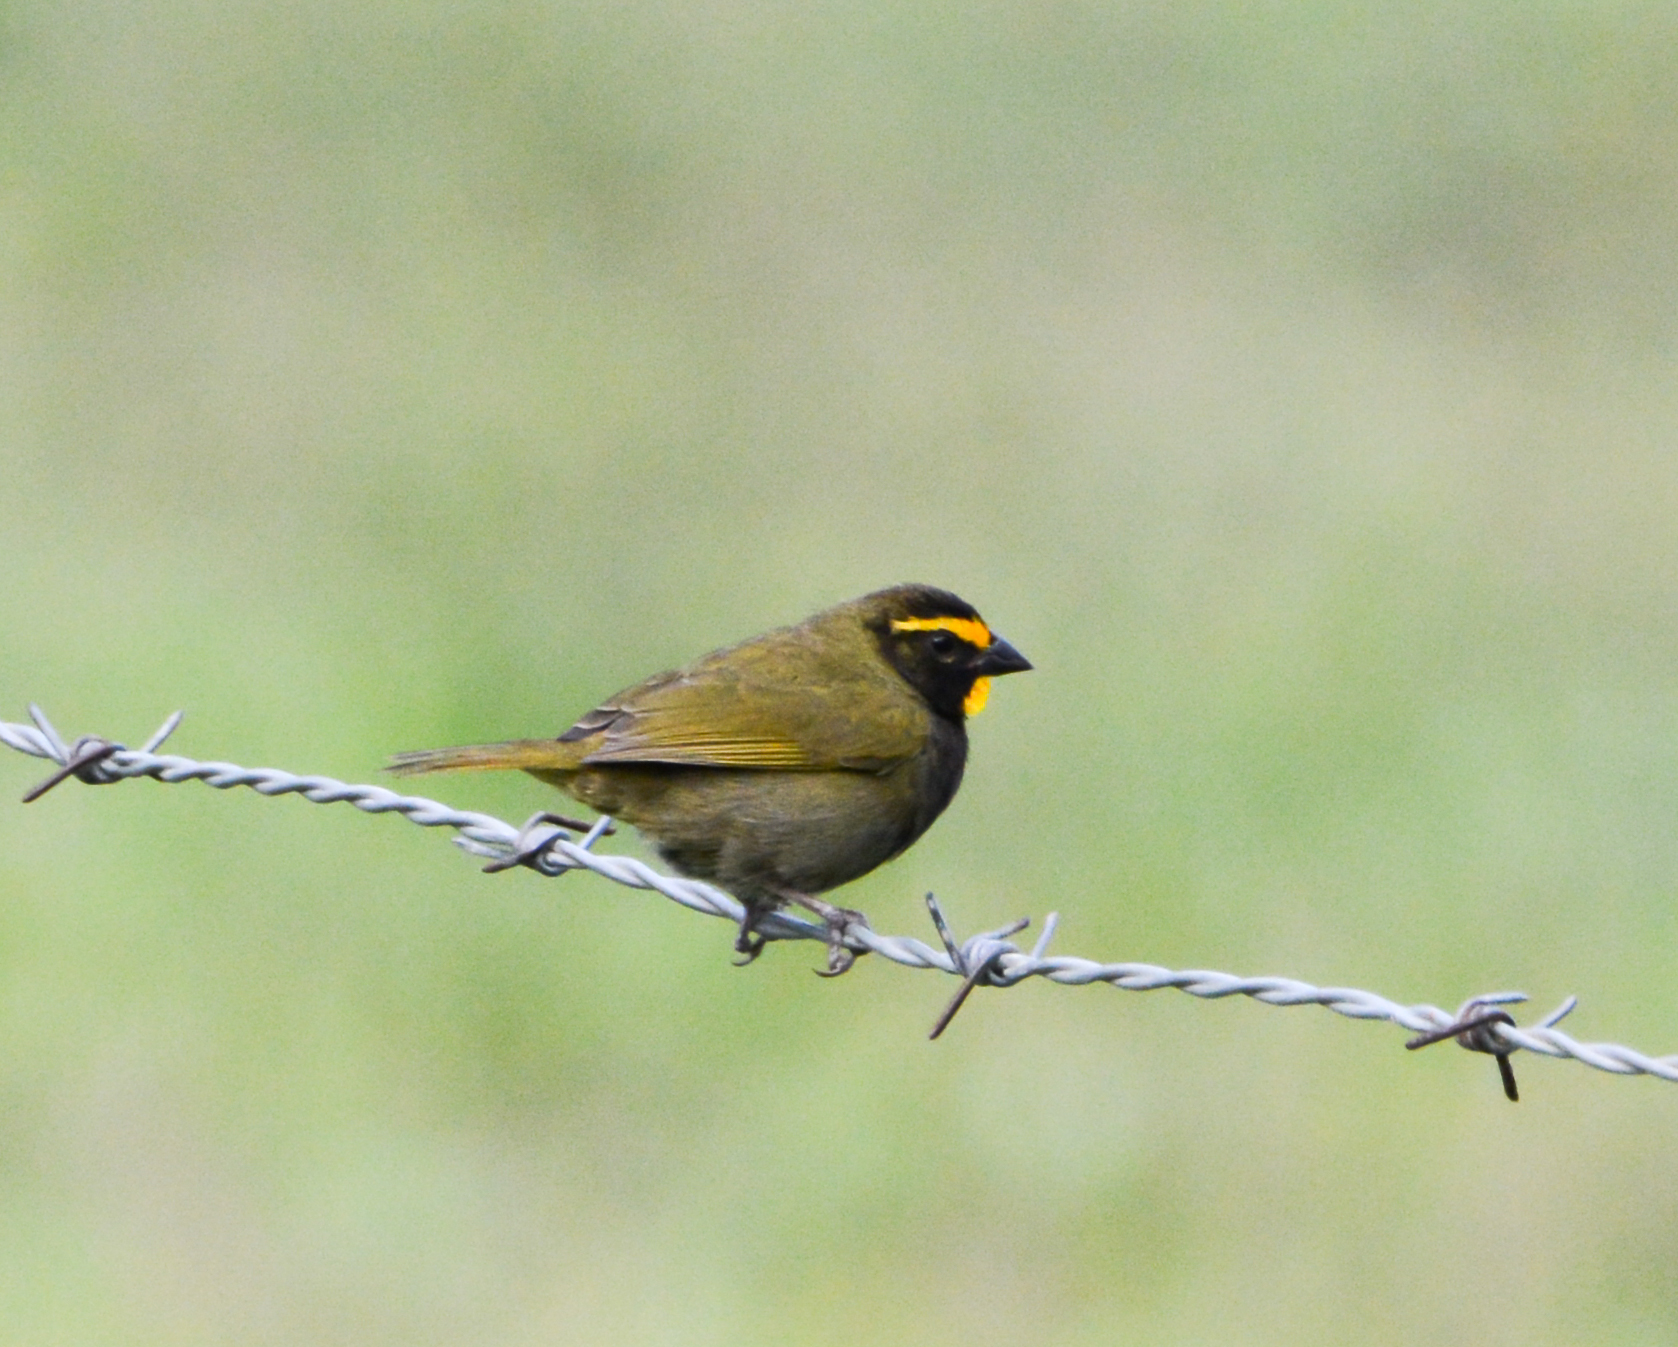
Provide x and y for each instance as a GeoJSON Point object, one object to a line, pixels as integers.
{"type": "Point", "coordinates": [783, 706]}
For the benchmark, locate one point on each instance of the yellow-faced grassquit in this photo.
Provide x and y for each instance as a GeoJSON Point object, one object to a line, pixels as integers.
{"type": "Point", "coordinates": [789, 764]}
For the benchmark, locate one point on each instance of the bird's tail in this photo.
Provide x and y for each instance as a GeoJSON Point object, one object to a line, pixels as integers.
{"type": "Point", "coordinates": [530, 755]}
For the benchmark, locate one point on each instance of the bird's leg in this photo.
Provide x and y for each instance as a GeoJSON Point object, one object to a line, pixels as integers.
{"type": "Point", "coordinates": [748, 942]}
{"type": "Point", "coordinates": [838, 921]}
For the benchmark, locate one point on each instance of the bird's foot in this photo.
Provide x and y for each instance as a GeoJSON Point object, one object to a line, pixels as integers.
{"type": "Point", "coordinates": [748, 942]}
{"type": "Point", "coordinates": [839, 922]}
{"type": "Point", "coordinates": [749, 947]}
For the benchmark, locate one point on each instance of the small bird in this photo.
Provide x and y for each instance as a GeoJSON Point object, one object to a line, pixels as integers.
{"type": "Point", "coordinates": [787, 765]}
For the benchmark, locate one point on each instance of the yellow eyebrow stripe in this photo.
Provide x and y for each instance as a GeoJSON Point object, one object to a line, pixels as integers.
{"type": "Point", "coordinates": [970, 629]}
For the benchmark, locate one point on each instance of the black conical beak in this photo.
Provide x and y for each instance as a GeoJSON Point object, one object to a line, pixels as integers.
{"type": "Point", "coordinates": [999, 658]}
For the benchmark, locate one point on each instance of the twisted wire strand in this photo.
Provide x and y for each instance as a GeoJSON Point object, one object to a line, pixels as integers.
{"type": "Point", "coordinates": [989, 957]}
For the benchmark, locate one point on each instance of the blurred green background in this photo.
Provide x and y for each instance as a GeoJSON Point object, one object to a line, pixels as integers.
{"type": "Point", "coordinates": [1295, 384]}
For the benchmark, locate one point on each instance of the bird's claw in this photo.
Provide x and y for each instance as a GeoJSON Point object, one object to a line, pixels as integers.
{"type": "Point", "coordinates": [748, 942]}
{"type": "Point", "coordinates": [748, 945]}
{"type": "Point", "coordinates": [839, 921]}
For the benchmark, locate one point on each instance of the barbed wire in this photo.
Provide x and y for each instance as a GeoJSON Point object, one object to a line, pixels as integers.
{"type": "Point", "coordinates": [554, 847]}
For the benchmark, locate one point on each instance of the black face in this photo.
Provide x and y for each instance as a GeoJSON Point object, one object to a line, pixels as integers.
{"type": "Point", "coordinates": [942, 647]}
{"type": "Point", "coordinates": [938, 665]}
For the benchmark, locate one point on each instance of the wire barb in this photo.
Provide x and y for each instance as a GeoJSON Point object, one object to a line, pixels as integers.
{"type": "Point", "coordinates": [990, 958]}
{"type": "Point", "coordinates": [83, 764]}
{"type": "Point", "coordinates": [1473, 1032]}
{"type": "Point", "coordinates": [977, 960]}
{"type": "Point", "coordinates": [542, 830]}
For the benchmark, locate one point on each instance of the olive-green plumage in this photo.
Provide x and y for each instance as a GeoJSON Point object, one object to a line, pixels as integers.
{"type": "Point", "coordinates": [786, 765]}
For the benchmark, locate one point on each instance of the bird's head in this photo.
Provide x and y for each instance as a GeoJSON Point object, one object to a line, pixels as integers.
{"type": "Point", "coordinates": [940, 645]}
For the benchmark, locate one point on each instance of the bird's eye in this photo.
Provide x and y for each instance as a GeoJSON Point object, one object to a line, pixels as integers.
{"type": "Point", "coordinates": [942, 642]}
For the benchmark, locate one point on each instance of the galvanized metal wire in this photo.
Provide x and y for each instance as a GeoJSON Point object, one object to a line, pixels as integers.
{"type": "Point", "coordinates": [989, 959]}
